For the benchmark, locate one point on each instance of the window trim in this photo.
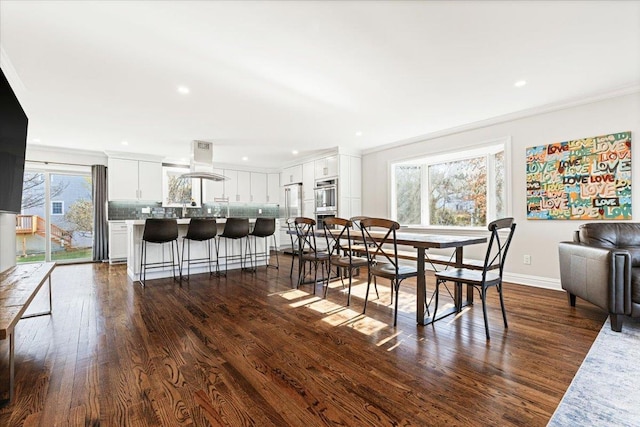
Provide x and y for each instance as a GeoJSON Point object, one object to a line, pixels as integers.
{"type": "Point", "coordinates": [464, 151]}
{"type": "Point", "coordinates": [61, 207]}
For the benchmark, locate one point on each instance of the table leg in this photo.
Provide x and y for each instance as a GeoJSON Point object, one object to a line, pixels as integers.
{"type": "Point", "coordinates": [4, 402]}
{"type": "Point", "coordinates": [422, 288]}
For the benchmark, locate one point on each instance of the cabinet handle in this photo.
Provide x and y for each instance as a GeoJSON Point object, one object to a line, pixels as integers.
{"type": "Point", "coordinates": [251, 198]}
{"type": "Point", "coordinates": [237, 197]}
{"type": "Point", "coordinates": [290, 178]}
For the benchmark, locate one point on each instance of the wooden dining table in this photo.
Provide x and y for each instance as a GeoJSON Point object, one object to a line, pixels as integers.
{"type": "Point", "coordinates": [422, 242]}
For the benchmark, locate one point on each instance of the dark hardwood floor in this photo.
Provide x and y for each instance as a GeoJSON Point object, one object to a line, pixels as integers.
{"type": "Point", "coordinates": [250, 350]}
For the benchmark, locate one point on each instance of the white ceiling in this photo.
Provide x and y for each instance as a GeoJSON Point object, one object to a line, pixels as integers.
{"type": "Point", "coordinates": [269, 77]}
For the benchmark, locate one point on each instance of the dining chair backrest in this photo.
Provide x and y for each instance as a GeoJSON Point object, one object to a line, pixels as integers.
{"type": "Point", "coordinates": [497, 247]}
{"type": "Point", "coordinates": [378, 249]}
{"type": "Point", "coordinates": [335, 231]}
{"type": "Point", "coordinates": [305, 230]}
{"type": "Point", "coordinates": [357, 220]}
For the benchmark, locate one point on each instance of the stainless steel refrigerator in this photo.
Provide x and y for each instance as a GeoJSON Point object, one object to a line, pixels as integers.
{"type": "Point", "coordinates": [293, 200]}
{"type": "Point", "coordinates": [292, 209]}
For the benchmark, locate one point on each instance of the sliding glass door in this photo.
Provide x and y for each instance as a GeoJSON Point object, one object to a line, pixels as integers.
{"type": "Point", "coordinates": [56, 220]}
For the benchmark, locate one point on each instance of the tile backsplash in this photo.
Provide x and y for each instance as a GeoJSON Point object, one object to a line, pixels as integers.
{"type": "Point", "coordinates": [118, 211]}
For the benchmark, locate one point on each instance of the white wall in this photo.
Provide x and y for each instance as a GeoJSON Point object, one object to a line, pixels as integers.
{"type": "Point", "coordinates": [536, 238]}
{"type": "Point", "coordinates": [7, 241]}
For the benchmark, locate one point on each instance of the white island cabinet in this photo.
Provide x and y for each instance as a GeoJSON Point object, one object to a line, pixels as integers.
{"type": "Point", "coordinates": [162, 253]}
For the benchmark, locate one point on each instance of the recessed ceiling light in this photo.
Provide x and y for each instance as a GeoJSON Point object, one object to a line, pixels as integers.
{"type": "Point", "coordinates": [183, 90]}
{"type": "Point", "coordinates": [245, 158]}
{"type": "Point", "coordinates": [36, 140]}
{"type": "Point", "coordinates": [358, 133]}
{"type": "Point", "coordinates": [125, 143]}
{"type": "Point", "coordinates": [520, 83]}
{"type": "Point", "coordinates": [294, 152]}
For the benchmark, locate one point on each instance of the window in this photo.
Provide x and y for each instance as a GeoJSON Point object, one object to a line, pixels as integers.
{"type": "Point", "coordinates": [458, 189]}
{"type": "Point", "coordinates": [177, 191]}
{"type": "Point", "coordinates": [57, 208]}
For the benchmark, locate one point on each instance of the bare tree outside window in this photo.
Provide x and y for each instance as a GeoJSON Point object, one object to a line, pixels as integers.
{"type": "Point", "coordinates": [458, 189]}
{"type": "Point", "coordinates": [33, 190]}
{"type": "Point", "coordinates": [457, 193]}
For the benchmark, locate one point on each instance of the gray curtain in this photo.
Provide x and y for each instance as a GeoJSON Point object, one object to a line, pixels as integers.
{"type": "Point", "coordinates": [100, 225]}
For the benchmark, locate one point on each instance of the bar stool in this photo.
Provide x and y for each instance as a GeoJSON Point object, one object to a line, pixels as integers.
{"type": "Point", "coordinates": [199, 230]}
{"type": "Point", "coordinates": [265, 227]}
{"type": "Point", "coordinates": [234, 229]}
{"type": "Point", "coordinates": [160, 231]}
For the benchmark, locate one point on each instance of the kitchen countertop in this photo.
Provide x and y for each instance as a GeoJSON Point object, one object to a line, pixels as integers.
{"type": "Point", "coordinates": [180, 221]}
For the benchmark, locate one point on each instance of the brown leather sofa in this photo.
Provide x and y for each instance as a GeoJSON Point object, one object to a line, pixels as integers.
{"type": "Point", "coordinates": [602, 266]}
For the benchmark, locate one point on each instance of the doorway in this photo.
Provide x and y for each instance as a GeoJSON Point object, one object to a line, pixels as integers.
{"type": "Point", "coordinates": [56, 218]}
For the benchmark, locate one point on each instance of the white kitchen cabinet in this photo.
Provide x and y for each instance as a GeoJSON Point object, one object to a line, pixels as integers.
{"type": "Point", "coordinates": [134, 180]}
{"type": "Point", "coordinates": [273, 188]}
{"type": "Point", "coordinates": [327, 167]}
{"type": "Point", "coordinates": [213, 189]}
{"type": "Point", "coordinates": [117, 241]}
{"type": "Point", "coordinates": [258, 187]}
{"type": "Point", "coordinates": [238, 187]}
{"type": "Point", "coordinates": [292, 175]}
{"type": "Point", "coordinates": [308, 209]}
{"type": "Point", "coordinates": [308, 180]}
{"type": "Point", "coordinates": [231, 185]}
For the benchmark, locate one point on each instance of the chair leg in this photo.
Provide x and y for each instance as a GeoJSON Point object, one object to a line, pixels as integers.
{"type": "Point", "coordinates": [275, 245]}
{"type": "Point", "coordinates": [366, 295]}
{"type": "Point", "coordinates": [395, 311]}
{"type": "Point", "coordinates": [435, 308]}
{"type": "Point", "coordinates": [183, 240]}
{"type": "Point", "coordinates": [349, 291]}
{"type": "Point", "coordinates": [142, 262]}
{"type": "Point", "coordinates": [483, 294]}
{"type": "Point", "coordinates": [504, 313]}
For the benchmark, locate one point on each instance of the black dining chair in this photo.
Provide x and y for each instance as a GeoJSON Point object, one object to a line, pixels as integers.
{"type": "Point", "coordinates": [338, 236]}
{"type": "Point", "coordinates": [159, 231]}
{"type": "Point", "coordinates": [308, 252]}
{"type": "Point", "coordinates": [265, 228]}
{"type": "Point", "coordinates": [295, 245]}
{"type": "Point", "coordinates": [200, 230]}
{"type": "Point", "coordinates": [382, 256]}
{"type": "Point", "coordinates": [491, 273]}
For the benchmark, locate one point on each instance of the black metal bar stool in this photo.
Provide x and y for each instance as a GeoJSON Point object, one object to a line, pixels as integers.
{"type": "Point", "coordinates": [264, 227]}
{"type": "Point", "coordinates": [200, 230]}
{"type": "Point", "coordinates": [234, 229]}
{"type": "Point", "coordinates": [160, 231]}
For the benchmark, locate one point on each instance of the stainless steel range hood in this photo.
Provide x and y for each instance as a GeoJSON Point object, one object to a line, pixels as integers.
{"type": "Point", "coordinates": [202, 162]}
{"type": "Point", "coordinates": [205, 175]}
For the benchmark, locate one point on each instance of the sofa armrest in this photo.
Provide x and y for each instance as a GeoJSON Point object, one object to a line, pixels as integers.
{"type": "Point", "coordinates": [601, 276]}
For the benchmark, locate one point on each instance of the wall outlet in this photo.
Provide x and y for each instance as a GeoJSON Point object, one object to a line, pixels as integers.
{"type": "Point", "coordinates": [208, 210]}
{"type": "Point", "coordinates": [527, 259]}
{"type": "Point", "coordinates": [259, 211]}
{"type": "Point", "coordinates": [146, 210]}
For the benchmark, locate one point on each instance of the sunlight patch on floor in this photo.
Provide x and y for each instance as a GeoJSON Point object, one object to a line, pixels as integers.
{"type": "Point", "coordinates": [293, 294]}
{"type": "Point", "coordinates": [302, 303]}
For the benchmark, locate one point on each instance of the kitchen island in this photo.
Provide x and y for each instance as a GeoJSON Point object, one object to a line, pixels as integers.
{"type": "Point", "coordinates": [161, 253]}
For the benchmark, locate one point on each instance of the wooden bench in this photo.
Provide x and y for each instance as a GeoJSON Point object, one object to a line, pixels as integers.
{"type": "Point", "coordinates": [18, 287]}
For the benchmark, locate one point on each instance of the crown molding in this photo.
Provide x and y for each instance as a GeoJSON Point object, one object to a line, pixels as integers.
{"type": "Point", "coordinates": [530, 112]}
{"type": "Point", "coordinates": [14, 80]}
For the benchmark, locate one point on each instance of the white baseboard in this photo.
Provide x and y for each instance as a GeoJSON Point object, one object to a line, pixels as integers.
{"type": "Point", "coordinates": [537, 281]}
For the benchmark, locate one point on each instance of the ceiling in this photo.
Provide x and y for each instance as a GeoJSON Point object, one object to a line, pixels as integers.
{"type": "Point", "coordinates": [266, 78]}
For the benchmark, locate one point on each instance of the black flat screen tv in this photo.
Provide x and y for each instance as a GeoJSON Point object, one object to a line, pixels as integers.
{"type": "Point", "coordinates": [13, 144]}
